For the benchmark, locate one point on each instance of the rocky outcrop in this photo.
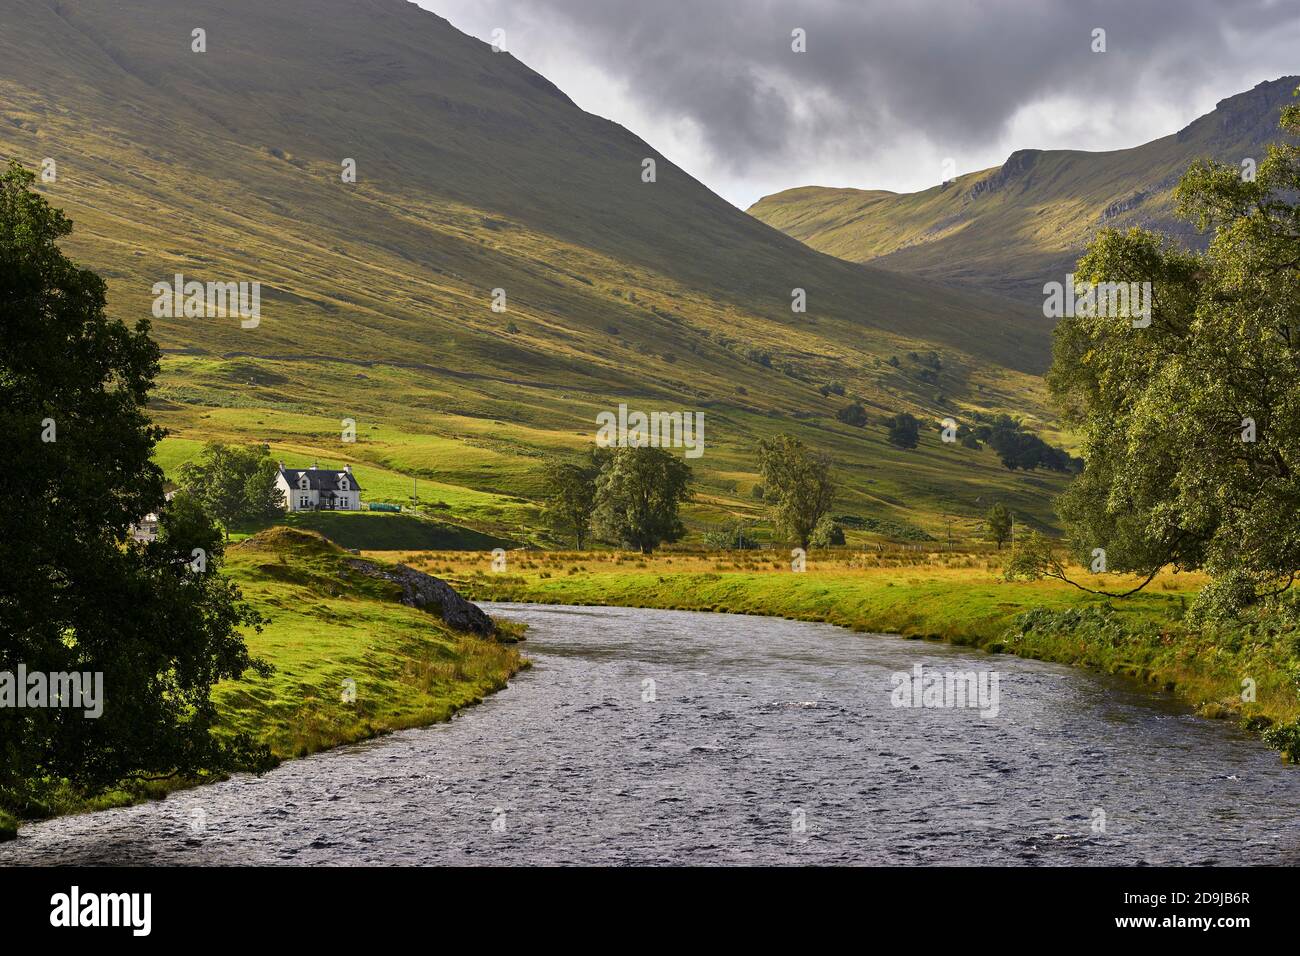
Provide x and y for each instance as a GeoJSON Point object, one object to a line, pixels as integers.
{"type": "Point", "coordinates": [1017, 165]}
{"type": "Point", "coordinates": [431, 594]}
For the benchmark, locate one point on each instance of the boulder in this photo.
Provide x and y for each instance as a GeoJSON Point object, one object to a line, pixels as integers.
{"type": "Point", "coordinates": [431, 594]}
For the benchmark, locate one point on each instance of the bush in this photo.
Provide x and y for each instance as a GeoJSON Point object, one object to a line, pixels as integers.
{"type": "Point", "coordinates": [904, 430]}
{"type": "Point", "coordinates": [853, 414]}
{"type": "Point", "coordinates": [737, 537]}
{"type": "Point", "coordinates": [1286, 738]}
{"type": "Point", "coordinates": [827, 533]}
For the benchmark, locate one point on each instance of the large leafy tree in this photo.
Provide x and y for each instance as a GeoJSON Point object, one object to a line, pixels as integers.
{"type": "Point", "coordinates": [74, 594]}
{"type": "Point", "coordinates": [638, 495]}
{"type": "Point", "coordinates": [796, 484]}
{"type": "Point", "coordinates": [235, 483]}
{"type": "Point", "coordinates": [570, 498]}
{"type": "Point", "coordinates": [1191, 425]}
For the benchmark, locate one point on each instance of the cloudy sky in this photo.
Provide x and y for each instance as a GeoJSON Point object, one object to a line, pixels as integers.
{"type": "Point", "coordinates": [887, 90]}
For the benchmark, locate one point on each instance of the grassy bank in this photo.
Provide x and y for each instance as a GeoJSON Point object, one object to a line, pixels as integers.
{"type": "Point", "coordinates": [350, 663]}
{"type": "Point", "coordinates": [335, 634]}
{"type": "Point", "coordinates": [953, 597]}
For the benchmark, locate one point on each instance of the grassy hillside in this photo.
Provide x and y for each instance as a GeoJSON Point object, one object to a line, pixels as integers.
{"type": "Point", "coordinates": [1012, 228]}
{"type": "Point", "coordinates": [473, 174]}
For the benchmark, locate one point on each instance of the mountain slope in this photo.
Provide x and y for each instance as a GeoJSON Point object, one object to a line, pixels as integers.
{"type": "Point", "coordinates": [1012, 228]}
{"type": "Point", "coordinates": [473, 174]}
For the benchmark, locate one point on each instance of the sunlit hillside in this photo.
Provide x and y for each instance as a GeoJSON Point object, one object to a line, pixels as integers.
{"type": "Point", "coordinates": [474, 174]}
{"type": "Point", "coordinates": [1012, 228]}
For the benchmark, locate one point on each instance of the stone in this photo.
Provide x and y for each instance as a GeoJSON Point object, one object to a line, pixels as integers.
{"type": "Point", "coordinates": [424, 591]}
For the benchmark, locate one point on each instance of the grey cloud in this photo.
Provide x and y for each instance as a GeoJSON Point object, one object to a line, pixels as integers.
{"type": "Point", "coordinates": [948, 71]}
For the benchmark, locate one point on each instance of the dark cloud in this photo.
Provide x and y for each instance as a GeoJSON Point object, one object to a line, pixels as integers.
{"type": "Point", "coordinates": [951, 72]}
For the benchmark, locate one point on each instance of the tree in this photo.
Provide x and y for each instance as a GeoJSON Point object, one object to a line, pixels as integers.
{"type": "Point", "coordinates": [997, 524]}
{"type": "Point", "coordinates": [235, 484]}
{"type": "Point", "coordinates": [904, 430]}
{"type": "Point", "coordinates": [75, 596]}
{"type": "Point", "coordinates": [638, 493]}
{"type": "Point", "coordinates": [852, 414]}
{"type": "Point", "coordinates": [263, 497]}
{"type": "Point", "coordinates": [1189, 411]}
{"type": "Point", "coordinates": [827, 533]}
{"type": "Point", "coordinates": [1018, 448]}
{"type": "Point", "coordinates": [796, 484]}
{"type": "Point", "coordinates": [570, 498]}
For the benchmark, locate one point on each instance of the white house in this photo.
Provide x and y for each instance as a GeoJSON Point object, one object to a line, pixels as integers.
{"type": "Point", "coordinates": [146, 529]}
{"type": "Point", "coordinates": [318, 489]}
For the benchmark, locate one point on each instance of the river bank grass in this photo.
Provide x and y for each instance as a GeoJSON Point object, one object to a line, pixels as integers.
{"type": "Point", "coordinates": [350, 663]}
{"type": "Point", "coordinates": [958, 598]}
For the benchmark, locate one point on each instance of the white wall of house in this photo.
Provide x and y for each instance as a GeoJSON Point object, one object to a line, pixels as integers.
{"type": "Point", "coordinates": [300, 496]}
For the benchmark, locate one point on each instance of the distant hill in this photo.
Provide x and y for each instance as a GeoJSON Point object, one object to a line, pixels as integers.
{"type": "Point", "coordinates": [1012, 228]}
{"type": "Point", "coordinates": [473, 173]}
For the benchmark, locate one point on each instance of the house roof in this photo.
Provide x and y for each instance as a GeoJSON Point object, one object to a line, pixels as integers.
{"type": "Point", "coordinates": [319, 479]}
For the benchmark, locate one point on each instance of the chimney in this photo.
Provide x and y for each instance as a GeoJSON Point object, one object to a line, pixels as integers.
{"type": "Point", "coordinates": [348, 469]}
{"type": "Point", "coordinates": [314, 464]}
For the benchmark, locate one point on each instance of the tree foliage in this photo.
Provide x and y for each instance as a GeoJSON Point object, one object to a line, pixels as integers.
{"type": "Point", "coordinates": [853, 414]}
{"type": "Point", "coordinates": [570, 498]}
{"type": "Point", "coordinates": [1190, 425]}
{"type": "Point", "coordinates": [827, 534]}
{"type": "Point", "coordinates": [1015, 446]}
{"type": "Point", "coordinates": [234, 483]}
{"type": "Point", "coordinates": [904, 430]}
{"type": "Point", "coordinates": [797, 485]}
{"type": "Point", "coordinates": [75, 596]}
{"type": "Point", "coordinates": [638, 495]}
{"type": "Point", "coordinates": [997, 524]}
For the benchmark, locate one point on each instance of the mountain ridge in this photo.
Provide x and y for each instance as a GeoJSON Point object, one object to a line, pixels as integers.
{"type": "Point", "coordinates": [1010, 228]}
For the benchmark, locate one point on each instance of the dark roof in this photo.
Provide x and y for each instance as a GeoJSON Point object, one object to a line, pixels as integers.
{"type": "Point", "coordinates": [319, 479]}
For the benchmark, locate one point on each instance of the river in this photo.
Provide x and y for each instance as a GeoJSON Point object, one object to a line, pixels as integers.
{"type": "Point", "coordinates": [759, 741]}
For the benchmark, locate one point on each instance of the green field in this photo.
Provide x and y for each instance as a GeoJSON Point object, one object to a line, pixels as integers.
{"type": "Point", "coordinates": [484, 473]}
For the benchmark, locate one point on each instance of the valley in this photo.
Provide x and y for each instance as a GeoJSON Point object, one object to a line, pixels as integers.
{"type": "Point", "coordinates": [473, 174]}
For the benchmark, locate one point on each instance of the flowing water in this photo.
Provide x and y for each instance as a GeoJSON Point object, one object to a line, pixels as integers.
{"type": "Point", "coordinates": [759, 740]}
